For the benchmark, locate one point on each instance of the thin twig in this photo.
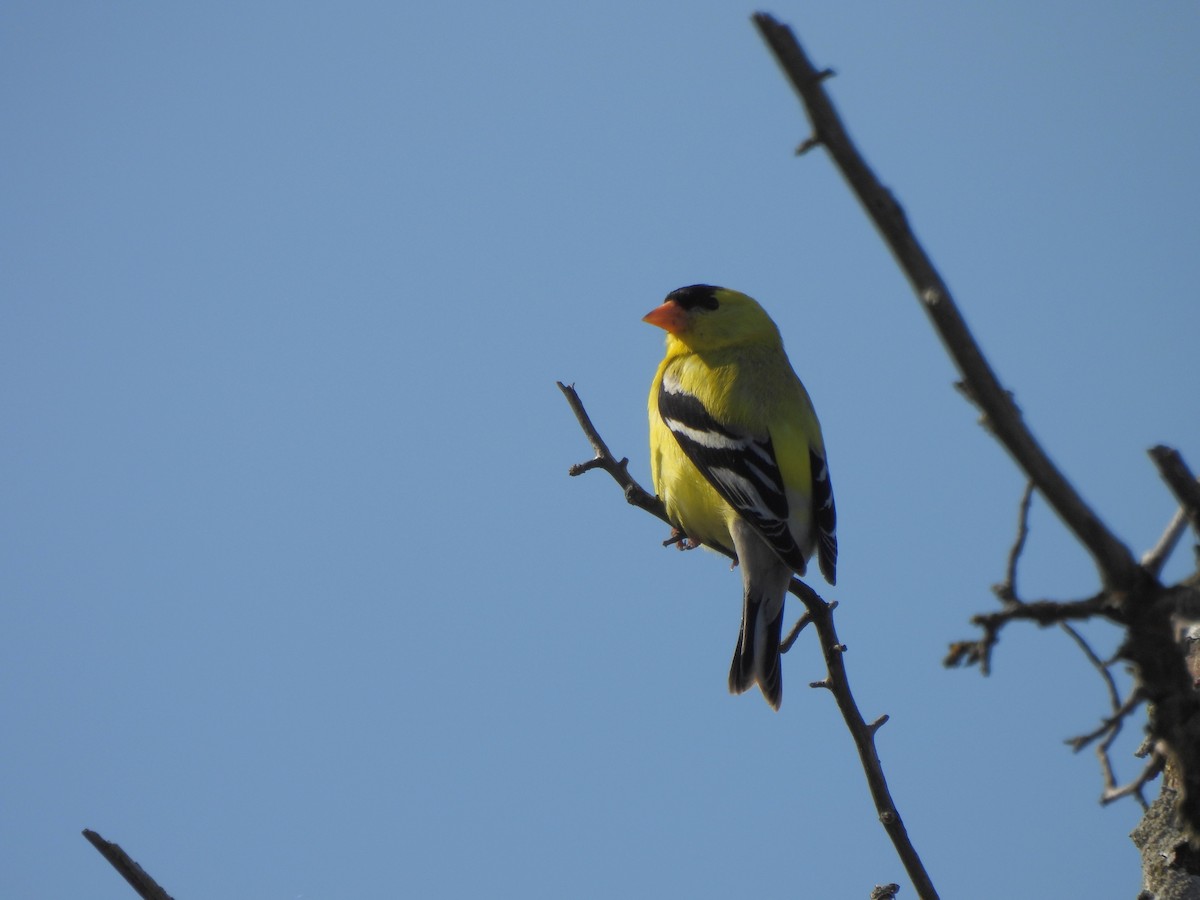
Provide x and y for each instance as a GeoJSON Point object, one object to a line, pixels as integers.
{"type": "Point", "coordinates": [1110, 728]}
{"type": "Point", "coordinates": [1113, 559]}
{"type": "Point", "coordinates": [1156, 557]}
{"type": "Point", "coordinates": [786, 644]}
{"type": "Point", "coordinates": [1008, 590]}
{"type": "Point", "coordinates": [980, 652]}
{"type": "Point", "coordinates": [1080, 741]}
{"type": "Point", "coordinates": [145, 886]}
{"type": "Point", "coordinates": [1148, 774]}
{"type": "Point", "coordinates": [635, 494]}
{"type": "Point", "coordinates": [1110, 683]}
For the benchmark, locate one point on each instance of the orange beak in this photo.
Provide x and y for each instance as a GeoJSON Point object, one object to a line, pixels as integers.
{"type": "Point", "coordinates": [670, 316]}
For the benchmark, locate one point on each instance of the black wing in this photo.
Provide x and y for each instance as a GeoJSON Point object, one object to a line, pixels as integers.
{"type": "Point", "coordinates": [824, 516]}
{"type": "Point", "coordinates": [741, 468]}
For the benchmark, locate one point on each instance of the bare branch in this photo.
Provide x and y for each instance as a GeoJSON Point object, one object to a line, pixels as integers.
{"type": "Point", "coordinates": [1046, 612]}
{"type": "Point", "coordinates": [1114, 695]}
{"type": "Point", "coordinates": [1043, 612]}
{"type": "Point", "coordinates": [145, 886]}
{"type": "Point", "coordinates": [1113, 559]}
{"type": "Point", "coordinates": [786, 644]}
{"type": "Point", "coordinates": [635, 494]}
{"type": "Point", "coordinates": [1111, 725]}
{"type": "Point", "coordinates": [1180, 480]}
{"type": "Point", "coordinates": [1152, 770]}
{"type": "Point", "coordinates": [817, 612]}
{"type": "Point", "coordinates": [1132, 595]}
{"type": "Point", "coordinates": [1156, 557]}
{"type": "Point", "coordinates": [1007, 591]}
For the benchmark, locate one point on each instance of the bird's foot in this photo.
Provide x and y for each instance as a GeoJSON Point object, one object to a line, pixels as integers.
{"type": "Point", "coordinates": [680, 540]}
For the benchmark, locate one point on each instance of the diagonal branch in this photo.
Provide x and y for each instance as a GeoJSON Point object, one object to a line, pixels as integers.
{"type": "Point", "coordinates": [1120, 708]}
{"type": "Point", "coordinates": [820, 615]}
{"type": "Point", "coordinates": [1149, 772]}
{"type": "Point", "coordinates": [1156, 557]}
{"type": "Point", "coordinates": [1180, 480]}
{"type": "Point", "coordinates": [141, 882]}
{"type": "Point", "coordinates": [1132, 595]}
{"type": "Point", "coordinates": [635, 494]}
{"type": "Point", "coordinates": [1114, 560]}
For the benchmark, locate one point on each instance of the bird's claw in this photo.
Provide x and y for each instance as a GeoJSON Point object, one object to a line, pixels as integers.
{"type": "Point", "coordinates": [680, 540]}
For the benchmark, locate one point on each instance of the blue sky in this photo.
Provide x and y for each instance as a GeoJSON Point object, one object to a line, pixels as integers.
{"type": "Point", "coordinates": [296, 598]}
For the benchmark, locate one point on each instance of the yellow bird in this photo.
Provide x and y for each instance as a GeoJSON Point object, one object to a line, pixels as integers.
{"type": "Point", "coordinates": [737, 457]}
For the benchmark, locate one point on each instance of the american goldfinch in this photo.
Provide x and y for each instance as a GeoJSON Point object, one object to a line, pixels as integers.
{"type": "Point", "coordinates": [737, 457]}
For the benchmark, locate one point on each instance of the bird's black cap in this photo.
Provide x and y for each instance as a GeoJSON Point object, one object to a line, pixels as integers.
{"type": "Point", "coordinates": [695, 296]}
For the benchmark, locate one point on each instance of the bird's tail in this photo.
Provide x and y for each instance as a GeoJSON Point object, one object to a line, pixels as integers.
{"type": "Point", "coordinates": [756, 656]}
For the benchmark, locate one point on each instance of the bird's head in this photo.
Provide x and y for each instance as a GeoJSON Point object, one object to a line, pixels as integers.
{"type": "Point", "coordinates": [705, 317]}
